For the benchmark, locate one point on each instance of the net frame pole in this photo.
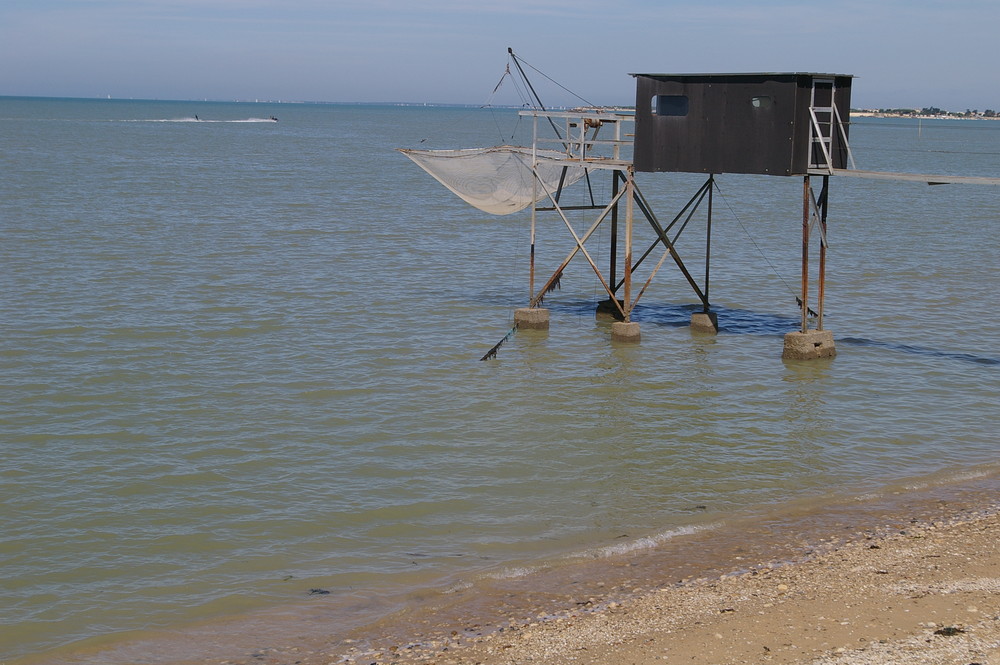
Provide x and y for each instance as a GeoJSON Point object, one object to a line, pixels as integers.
{"type": "Point", "coordinates": [534, 209]}
{"type": "Point", "coordinates": [613, 249]}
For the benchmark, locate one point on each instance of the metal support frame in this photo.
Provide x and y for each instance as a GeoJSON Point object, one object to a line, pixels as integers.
{"type": "Point", "coordinates": [814, 214]}
{"type": "Point", "coordinates": [583, 149]}
{"type": "Point", "coordinates": [686, 214]}
{"type": "Point", "coordinates": [633, 199]}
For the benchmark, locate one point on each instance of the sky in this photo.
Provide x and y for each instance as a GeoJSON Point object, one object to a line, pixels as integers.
{"type": "Point", "coordinates": [904, 53]}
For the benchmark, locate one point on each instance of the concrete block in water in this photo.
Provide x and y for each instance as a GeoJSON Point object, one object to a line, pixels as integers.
{"type": "Point", "coordinates": [625, 332]}
{"type": "Point", "coordinates": [809, 345]}
{"type": "Point", "coordinates": [531, 318]}
{"type": "Point", "coordinates": [707, 322]}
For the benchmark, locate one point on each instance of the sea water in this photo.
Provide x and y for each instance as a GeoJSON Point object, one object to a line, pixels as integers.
{"type": "Point", "coordinates": [239, 360]}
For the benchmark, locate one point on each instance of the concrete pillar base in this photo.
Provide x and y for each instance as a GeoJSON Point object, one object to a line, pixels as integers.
{"type": "Point", "coordinates": [606, 310]}
{"type": "Point", "coordinates": [625, 332]}
{"type": "Point", "coordinates": [706, 322]}
{"type": "Point", "coordinates": [531, 318]}
{"type": "Point", "coordinates": [809, 345]}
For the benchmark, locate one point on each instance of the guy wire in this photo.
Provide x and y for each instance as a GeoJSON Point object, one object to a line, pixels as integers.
{"type": "Point", "coordinates": [754, 243]}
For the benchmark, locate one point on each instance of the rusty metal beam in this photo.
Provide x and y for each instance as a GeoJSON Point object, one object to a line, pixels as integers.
{"type": "Point", "coordinates": [824, 198]}
{"type": "Point", "coordinates": [806, 219]}
{"type": "Point", "coordinates": [708, 241]}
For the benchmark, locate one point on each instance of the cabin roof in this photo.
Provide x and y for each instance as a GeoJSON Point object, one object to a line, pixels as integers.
{"type": "Point", "coordinates": [747, 74]}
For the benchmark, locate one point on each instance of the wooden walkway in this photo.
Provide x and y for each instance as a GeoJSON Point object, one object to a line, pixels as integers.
{"type": "Point", "coordinates": [911, 177]}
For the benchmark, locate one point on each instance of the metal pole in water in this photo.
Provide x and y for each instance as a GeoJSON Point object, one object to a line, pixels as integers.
{"type": "Point", "coordinates": [824, 198]}
{"type": "Point", "coordinates": [613, 259]}
{"type": "Point", "coordinates": [708, 239]}
{"type": "Point", "coordinates": [806, 193]}
{"type": "Point", "coordinates": [629, 205]}
{"type": "Point", "coordinates": [534, 206]}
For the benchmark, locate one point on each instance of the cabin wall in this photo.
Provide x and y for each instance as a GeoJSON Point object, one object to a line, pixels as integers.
{"type": "Point", "coordinates": [743, 123]}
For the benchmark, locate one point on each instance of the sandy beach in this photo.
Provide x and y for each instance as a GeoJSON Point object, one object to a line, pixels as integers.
{"type": "Point", "coordinates": [917, 589]}
{"type": "Point", "coordinates": [901, 577]}
{"type": "Point", "coordinates": [928, 593]}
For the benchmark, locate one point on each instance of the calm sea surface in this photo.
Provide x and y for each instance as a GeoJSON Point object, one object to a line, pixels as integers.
{"type": "Point", "coordinates": [239, 359]}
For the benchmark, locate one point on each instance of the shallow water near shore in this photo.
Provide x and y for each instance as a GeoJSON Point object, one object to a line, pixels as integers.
{"type": "Point", "coordinates": [362, 627]}
{"type": "Point", "coordinates": [240, 362]}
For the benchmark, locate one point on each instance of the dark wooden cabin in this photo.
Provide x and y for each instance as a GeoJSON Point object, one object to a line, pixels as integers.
{"type": "Point", "coordinates": [766, 123]}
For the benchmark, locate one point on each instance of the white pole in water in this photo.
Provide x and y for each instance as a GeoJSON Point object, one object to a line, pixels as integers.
{"type": "Point", "coordinates": [534, 206]}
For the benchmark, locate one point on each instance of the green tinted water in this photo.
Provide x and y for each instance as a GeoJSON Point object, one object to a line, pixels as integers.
{"type": "Point", "coordinates": [240, 360]}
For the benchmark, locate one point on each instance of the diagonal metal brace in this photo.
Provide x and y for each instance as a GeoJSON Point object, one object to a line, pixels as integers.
{"type": "Point", "coordinates": [692, 204]}
{"type": "Point", "coordinates": [579, 247]}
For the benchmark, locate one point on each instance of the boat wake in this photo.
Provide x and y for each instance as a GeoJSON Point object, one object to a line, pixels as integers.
{"type": "Point", "coordinates": [205, 120]}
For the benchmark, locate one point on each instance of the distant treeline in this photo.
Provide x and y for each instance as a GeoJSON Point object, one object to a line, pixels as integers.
{"type": "Point", "coordinates": [934, 112]}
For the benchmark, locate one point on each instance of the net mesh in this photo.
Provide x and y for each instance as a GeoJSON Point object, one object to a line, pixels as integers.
{"type": "Point", "coordinates": [496, 180]}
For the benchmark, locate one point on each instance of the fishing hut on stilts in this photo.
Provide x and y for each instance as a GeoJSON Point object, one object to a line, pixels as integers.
{"type": "Point", "coordinates": [778, 124]}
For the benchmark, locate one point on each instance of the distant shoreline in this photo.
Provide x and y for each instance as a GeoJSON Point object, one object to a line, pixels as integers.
{"type": "Point", "coordinates": [858, 113]}
{"type": "Point", "coordinates": [920, 116]}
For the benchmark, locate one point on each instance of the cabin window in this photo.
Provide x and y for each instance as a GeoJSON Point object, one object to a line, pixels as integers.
{"type": "Point", "coordinates": [675, 105]}
{"type": "Point", "coordinates": [763, 102]}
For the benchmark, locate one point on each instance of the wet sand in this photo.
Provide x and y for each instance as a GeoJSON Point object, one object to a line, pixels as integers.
{"type": "Point", "coordinates": [908, 576]}
{"type": "Point", "coordinates": [913, 578]}
{"type": "Point", "coordinates": [928, 593]}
